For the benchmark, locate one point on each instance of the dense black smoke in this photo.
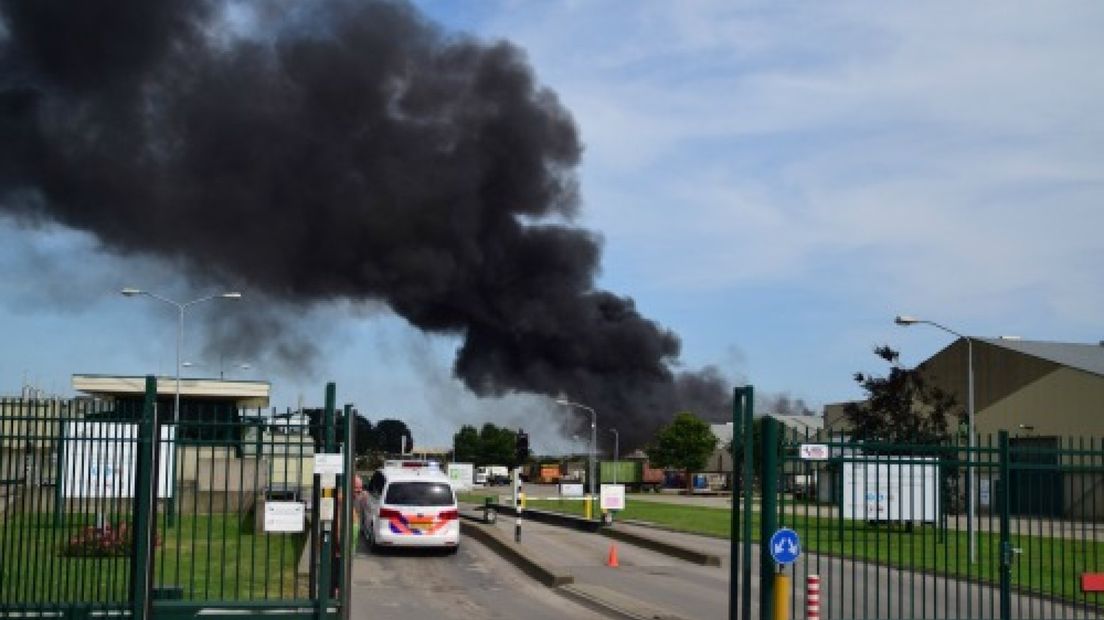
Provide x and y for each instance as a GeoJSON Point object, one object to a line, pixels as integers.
{"type": "Point", "coordinates": [346, 150]}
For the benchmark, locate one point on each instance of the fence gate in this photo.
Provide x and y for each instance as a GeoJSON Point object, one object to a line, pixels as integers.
{"type": "Point", "coordinates": [887, 527]}
{"type": "Point", "coordinates": [110, 510]}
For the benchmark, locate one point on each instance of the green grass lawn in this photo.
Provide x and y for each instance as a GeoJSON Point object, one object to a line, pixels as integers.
{"type": "Point", "coordinates": [1050, 564]}
{"type": "Point", "coordinates": [211, 557]}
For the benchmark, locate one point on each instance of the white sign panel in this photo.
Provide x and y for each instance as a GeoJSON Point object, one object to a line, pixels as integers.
{"type": "Point", "coordinates": [571, 489]}
{"type": "Point", "coordinates": [100, 459]}
{"type": "Point", "coordinates": [329, 464]}
{"type": "Point", "coordinates": [285, 517]}
{"type": "Point", "coordinates": [326, 509]}
{"type": "Point", "coordinates": [461, 475]}
{"type": "Point", "coordinates": [814, 452]}
{"type": "Point", "coordinates": [893, 489]}
{"type": "Point", "coordinates": [612, 497]}
{"type": "Point", "coordinates": [983, 493]}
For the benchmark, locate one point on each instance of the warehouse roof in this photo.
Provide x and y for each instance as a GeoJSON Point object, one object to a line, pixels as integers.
{"type": "Point", "coordinates": [1086, 357]}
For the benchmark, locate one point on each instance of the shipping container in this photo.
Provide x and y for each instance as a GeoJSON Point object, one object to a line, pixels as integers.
{"type": "Point", "coordinates": [637, 476]}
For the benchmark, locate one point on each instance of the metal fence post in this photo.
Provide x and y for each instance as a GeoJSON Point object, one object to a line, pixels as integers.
{"type": "Point", "coordinates": [145, 486]}
{"type": "Point", "coordinates": [734, 537]}
{"type": "Point", "coordinates": [348, 541]}
{"type": "Point", "coordinates": [326, 555]}
{"type": "Point", "coordinates": [748, 475]}
{"type": "Point", "coordinates": [768, 515]}
{"type": "Point", "coordinates": [1003, 505]}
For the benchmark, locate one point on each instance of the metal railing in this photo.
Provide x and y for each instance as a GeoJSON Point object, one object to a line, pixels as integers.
{"type": "Point", "coordinates": [884, 525]}
{"type": "Point", "coordinates": [72, 517]}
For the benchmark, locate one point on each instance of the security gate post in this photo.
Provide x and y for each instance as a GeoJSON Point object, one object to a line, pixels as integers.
{"type": "Point", "coordinates": [734, 537]}
{"type": "Point", "coordinates": [768, 515]}
{"type": "Point", "coordinates": [748, 475]}
{"type": "Point", "coordinates": [326, 554]}
{"type": "Point", "coordinates": [145, 485]}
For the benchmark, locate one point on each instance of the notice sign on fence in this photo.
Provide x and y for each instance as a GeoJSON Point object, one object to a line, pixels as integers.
{"type": "Point", "coordinates": [328, 464]}
{"type": "Point", "coordinates": [813, 452]}
{"type": "Point", "coordinates": [100, 459]}
{"type": "Point", "coordinates": [287, 517]}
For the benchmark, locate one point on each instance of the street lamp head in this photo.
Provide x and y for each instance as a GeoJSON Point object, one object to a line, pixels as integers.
{"type": "Point", "coordinates": [131, 292]}
{"type": "Point", "coordinates": [904, 319]}
{"type": "Point", "coordinates": [231, 295]}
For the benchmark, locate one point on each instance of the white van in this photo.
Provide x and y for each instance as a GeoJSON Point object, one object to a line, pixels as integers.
{"type": "Point", "coordinates": [412, 504]}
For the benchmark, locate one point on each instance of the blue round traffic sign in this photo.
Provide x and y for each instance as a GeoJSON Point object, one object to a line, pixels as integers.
{"type": "Point", "coordinates": [785, 546]}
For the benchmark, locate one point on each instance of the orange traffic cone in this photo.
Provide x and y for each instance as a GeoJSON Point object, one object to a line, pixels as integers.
{"type": "Point", "coordinates": [611, 560]}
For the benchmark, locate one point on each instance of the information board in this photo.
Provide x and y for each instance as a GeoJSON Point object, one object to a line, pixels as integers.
{"type": "Point", "coordinates": [99, 460]}
{"type": "Point", "coordinates": [902, 488]}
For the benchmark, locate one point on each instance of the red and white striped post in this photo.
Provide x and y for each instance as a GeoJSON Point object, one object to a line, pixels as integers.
{"type": "Point", "coordinates": [812, 597]}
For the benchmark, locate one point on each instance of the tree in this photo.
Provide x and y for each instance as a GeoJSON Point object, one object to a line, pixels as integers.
{"type": "Point", "coordinates": [390, 434]}
{"type": "Point", "coordinates": [685, 444]}
{"type": "Point", "coordinates": [902, 407]}
{"type": "Point", "coordinates": [466, 446]}
{"type": "Point", "coordinates": [497, 445]}
{"type": "Point", "coordinates": [365, 438]}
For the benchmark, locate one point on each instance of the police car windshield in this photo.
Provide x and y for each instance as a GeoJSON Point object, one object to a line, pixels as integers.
{"type": "Point", "coordinates": [419, 494]}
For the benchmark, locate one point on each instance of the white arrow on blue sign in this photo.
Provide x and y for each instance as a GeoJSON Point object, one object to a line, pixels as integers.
{"type": "Point", "coordinates": [785, 546]}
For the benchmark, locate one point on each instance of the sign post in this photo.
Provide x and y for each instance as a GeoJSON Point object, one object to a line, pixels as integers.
{"type": "Point", "coordinates": [785, 547]}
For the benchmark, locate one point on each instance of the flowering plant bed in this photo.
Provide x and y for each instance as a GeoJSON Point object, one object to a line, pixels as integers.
{"type": "Point", "coordinates": [111, 540]}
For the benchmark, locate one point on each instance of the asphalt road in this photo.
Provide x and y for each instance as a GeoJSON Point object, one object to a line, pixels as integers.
{"type": "Point", "coordinates": [473, 584]}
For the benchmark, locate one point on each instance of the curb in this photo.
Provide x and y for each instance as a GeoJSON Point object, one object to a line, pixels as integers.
{"type": "Point", "coordinates": [553, 518]}
{"type": "Point", "coordinates": [514, 554]}
{"type": "Point", "coordinates": [612, 603]}
{"type": "Point", "coordinates": [659, 546]}
{"type": "Point", "coordinates": [589, 525]}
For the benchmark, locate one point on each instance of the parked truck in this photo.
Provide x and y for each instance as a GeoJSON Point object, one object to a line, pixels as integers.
{"type": "Point", "coordinates": [492, 475]}
{"type": "Point", "coordinates": [637, 476]}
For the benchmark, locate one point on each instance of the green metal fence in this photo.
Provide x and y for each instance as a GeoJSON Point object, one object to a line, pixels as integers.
{"type": "Point", "coordinates": [886, 527]}
{"type": "Point", "coordinates": [81, 533]}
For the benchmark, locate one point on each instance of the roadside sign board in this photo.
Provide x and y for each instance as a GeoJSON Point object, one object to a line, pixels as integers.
{"type": "Point", "coordinates": [612, 497]}
{"type": "Point", "coordinates": [785, 546]}
{"type": "Point", "coordinates": [461, 475]}
{"type": "Point", "coordinates": [814, 452]}
{"type": "Point", "coordinates": [571, 489]}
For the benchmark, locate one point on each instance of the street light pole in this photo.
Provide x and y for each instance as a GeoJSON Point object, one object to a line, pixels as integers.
{"type": "Point", "coordinates": [616, 460]}
{"type": "Point", "coordinates": [180, 307]}
{"type": "Point", "coordinates": [593, 433]}
{"type": "Point", "coordinates": [905, 320]}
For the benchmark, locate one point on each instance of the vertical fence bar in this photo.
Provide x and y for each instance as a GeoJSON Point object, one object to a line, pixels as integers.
{"type": "Point", "coordinates": [1005, 527]}
{"type": "Point", "coordinates": [768, 514]}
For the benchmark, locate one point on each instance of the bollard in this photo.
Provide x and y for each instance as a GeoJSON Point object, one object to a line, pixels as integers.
{"type": "Point", "coordinates": [588, 511]}
{"type": "Point", "coordinates": [780, 610]}
{"type": "Point", "coordinates": [812, 597]}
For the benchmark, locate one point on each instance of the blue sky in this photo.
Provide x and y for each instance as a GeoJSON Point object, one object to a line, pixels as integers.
{"type": "Point", "coordinates": [772, 182]}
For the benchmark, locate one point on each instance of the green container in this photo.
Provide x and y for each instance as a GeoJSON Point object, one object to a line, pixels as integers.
{"type": "Point", "coordinates": [621, 472]}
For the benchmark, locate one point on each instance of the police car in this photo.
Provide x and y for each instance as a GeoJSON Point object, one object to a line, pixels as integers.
{"type": "Point", "coordinates": [411, 504]}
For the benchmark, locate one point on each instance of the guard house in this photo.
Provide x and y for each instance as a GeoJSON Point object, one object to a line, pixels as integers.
{"type": "Point", "coordinates": [209, 408]}
{"type": "Point", "coordinates": [214, 436]}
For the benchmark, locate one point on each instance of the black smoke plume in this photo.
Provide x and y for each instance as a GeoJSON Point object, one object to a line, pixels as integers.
{"type": "Point", "coordinates": [333, 150]}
